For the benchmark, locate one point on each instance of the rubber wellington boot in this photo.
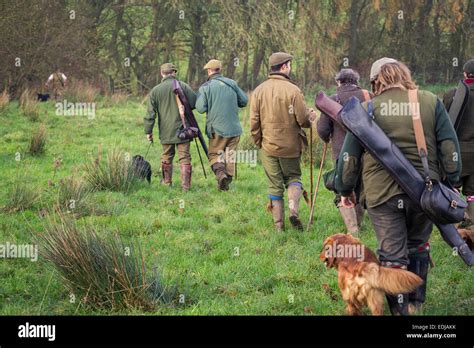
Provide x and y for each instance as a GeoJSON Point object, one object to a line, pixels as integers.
{"type": "Point", "coordinates": [398, 304]}
{"type": "Point", "coordinates": [167, 170]}
{"type": "Point", "coordinates": [419, 264]}
{"type": "Point", "coordinates": [276, 207]}
{"type": "Point", "coordinates": [294, 195]}
{"type": "Point", "coordinates": [186, 173]}
{"type": "Point", "coordinates": [349, 216]}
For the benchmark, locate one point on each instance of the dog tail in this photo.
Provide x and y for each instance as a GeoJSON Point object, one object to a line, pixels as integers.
{"type": "Point", "coordinates": [395, 281]}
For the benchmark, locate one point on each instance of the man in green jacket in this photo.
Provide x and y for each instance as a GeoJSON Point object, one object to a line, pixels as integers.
{"type": "Point", "coordinates": [164, 106]}
{"type": "Point", "coordinates": [221, 98]}
{"type": "Point", "coordinates": [278, 114]}
{"type": "Point", "coordinates": [401, 227]}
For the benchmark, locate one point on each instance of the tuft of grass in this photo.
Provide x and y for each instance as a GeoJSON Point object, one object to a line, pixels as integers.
{"type": "Point", "coordinates": [79, 91]}
{"type": "Point", "coordinates": [119, 98]}
{"type": "Point", "coordinates": [21, 197]}
{"type": "Point", "coordinates": [29, 105]}
{"type": "Point", "coordinates": [103, 271]}
{"type": "Point", "coordinates": [38, 142]}
{"type": "Point", "coordinates": [115, 173]}
{"type": "Point", "coordinates": [72, 196]}
{"type": "Point", "coordinates": [4, 100]}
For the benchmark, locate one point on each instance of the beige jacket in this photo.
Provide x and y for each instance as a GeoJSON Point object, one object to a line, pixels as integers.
{"type": "Point", "coordinates": [277, 115]}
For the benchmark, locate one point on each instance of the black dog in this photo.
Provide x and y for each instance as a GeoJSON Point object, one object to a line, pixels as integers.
{"type": "Point", "coordinates": [141, 168]}
{"type": "Point", "coordinates": [43, 97]}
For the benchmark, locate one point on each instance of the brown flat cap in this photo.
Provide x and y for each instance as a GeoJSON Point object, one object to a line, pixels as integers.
{"type": "Point", "coordinates": [213, 64]}
{"type": "Point", "coordinates": [168, 68]}
{"type": "Point", "coordinates": [279, 58]}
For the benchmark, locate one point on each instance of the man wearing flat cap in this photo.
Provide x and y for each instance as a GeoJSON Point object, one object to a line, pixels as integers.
{"type": "Point", "coordinates": [221, 98]}
{"type": "Point", "coordinates": [277, 116]}
{"type": "Point", "coordinates": [162, 105]}
{"type": "Point", "coordinates": [465, 132]}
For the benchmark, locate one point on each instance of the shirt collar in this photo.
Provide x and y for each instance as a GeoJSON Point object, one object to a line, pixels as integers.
{"type": "Point", "coordinates": [214, 76]}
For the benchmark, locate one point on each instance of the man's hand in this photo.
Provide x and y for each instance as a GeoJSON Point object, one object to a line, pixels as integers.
{"type": "Point", "coordinates": [312, 115]}
{"type": "Point", "coordinates": [149, 137]}
{"type": "Point", "coordinates": [348, 202]}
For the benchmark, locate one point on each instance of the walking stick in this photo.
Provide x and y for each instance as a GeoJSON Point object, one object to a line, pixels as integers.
{"type": "Point", "coordinates": [311, 215]}
{"type": "Point", "coordinates": [311, 163]}
{"type": "Point", "coordinates": [151, 143]}
{"type": "Point", "coordinates": [200, 158]}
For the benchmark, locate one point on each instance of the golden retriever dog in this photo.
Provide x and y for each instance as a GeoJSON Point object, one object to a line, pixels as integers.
{"type": "Point", "coordinates": [362, 281]}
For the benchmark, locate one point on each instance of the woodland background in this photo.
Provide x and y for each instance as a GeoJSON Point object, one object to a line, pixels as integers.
{"type": "Point", "coordinates": [119, 45]}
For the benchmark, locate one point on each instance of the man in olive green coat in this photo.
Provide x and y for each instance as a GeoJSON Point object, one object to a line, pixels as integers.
{"type": "Point", "coordinates": [164, 106]}
{"type": "Point", "coordinates": [221, 98]}
{"type": "Point", "coordinates": [401, 227]}
{"type": "Point", "coordinates": [277, 116]}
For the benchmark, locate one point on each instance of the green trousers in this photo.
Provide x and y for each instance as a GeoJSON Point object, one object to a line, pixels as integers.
{"type": "Point", "coordinates": [280, 172]}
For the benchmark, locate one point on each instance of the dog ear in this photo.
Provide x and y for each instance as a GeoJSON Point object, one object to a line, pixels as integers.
{"type": "Point", "coordinates": [327, 253]}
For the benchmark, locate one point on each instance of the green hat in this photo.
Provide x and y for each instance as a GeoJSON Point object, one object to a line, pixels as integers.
{"type": "Point", "coordinates": [278, 58]}
{"type": "Point", "coordinates": [168, 68]}
{"type": "Point", "coordinates": [377, 66]}
{"type": "Point", "coordinates": [469, 67]}
{"type": "Point", "coordinates": [213, 64]}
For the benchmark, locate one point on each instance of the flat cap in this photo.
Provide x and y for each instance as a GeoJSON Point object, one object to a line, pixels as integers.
{"type": "Point", "coordinates": [348, 75]}
{"type": "Point", "coordinates": [377, 66]}
{"type": "Point", "coordinates": [168, 67]}
{"type": "Point", "coordinates": [469, 67]}
{"type": "Point", "coordinates": [278, 58]}
{"type": "Point", "coordinates": [213, 64]}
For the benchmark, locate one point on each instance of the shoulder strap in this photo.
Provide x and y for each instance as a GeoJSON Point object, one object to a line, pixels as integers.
{"type": "Point", "coordinates": [458, 104]}
{"type": "Point", "coordinates": [228, 84]}
{"type": "Point", "coordinates": [180, 110]}
{"type": "Point", "coordinates": [418, 128]}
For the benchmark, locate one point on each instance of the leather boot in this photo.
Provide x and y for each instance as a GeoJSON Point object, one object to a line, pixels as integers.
{"type": "Point", "coordinates": [186, 173]}
{"type": "Point", "coordinates": [221, 176]}
{"type": "Point", "coordinates": [294, 195]}
{"type": "Point", "coordinates": [167, 170]}
{"type": "Point", "coordinates": [398, 304]}
{"type": "Point", "coordinates": [349, 216]}
{"type": "Point", "coordinates": [419, 264]}
{"type": "Point", "coordinates": [278, 213]}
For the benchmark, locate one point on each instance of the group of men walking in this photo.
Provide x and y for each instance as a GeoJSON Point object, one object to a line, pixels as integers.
{"type": "Point", "coordinates": [220, 98]}
{"type": "Point", "coordinates": [278, 115]}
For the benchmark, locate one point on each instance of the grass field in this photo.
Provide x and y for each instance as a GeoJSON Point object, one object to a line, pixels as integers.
{"type": "Point", "coordinates": [218, 249]}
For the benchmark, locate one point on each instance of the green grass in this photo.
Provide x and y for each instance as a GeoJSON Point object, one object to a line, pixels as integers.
{"type": "Point", "coordinates": [220, 250]}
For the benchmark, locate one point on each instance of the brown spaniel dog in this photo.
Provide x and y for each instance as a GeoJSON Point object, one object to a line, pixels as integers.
{"type": "Point", "coordinates": [468, 236]}
{"type": "Point", "coordinates": [362, 281]}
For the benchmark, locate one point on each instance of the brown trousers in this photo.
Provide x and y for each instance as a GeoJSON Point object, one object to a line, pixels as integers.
{"type": "Point", "coordinates": [221, 150]}
{"type": "Point", "coordinates": [169, 151]}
